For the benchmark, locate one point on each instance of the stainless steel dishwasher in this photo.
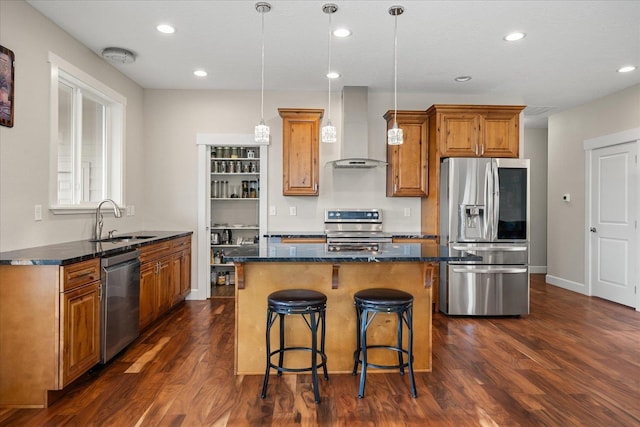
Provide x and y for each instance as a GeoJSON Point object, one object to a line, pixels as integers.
{"type": "Point", "coordinates": [120, 277]}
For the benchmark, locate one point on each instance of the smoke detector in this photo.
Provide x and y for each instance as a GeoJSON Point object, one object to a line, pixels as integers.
{"type": "Point", "coordinates": [118, 55]}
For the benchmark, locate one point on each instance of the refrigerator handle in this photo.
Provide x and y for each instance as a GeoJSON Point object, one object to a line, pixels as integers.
{"type": "Point", "coordinates": [488, 197]}
{"type": "Point", "coordinates": [496, 198]}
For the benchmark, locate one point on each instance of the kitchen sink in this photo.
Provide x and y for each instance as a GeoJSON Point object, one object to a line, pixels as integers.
{"type": "Point", "coordinates": [123, 239]}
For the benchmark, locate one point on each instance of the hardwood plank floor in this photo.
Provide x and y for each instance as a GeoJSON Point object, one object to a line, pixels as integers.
{"type": "Point", "coordinates": [575, 361]}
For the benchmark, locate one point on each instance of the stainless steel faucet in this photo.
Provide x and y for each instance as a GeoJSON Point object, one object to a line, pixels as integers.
{"type": "Point", "coordinates": [116, 213]}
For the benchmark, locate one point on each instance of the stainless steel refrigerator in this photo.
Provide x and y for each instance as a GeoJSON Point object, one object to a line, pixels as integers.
{"type": "Point", "coordinates": [484, 210]}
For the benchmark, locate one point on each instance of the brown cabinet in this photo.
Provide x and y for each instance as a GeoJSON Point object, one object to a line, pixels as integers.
{"type": "Point", "coordinates": [407, 164]}
{"type": "Point", "coordinates": [165, 277]}
{"type": "Point", "coordinates": [300, 151]}
{"type": "Point", "coordinates": [477, 130]}
{"type": "Point", "coordinates": [49, 328]}
{"type": "Point", "coordinates": [80, 322]}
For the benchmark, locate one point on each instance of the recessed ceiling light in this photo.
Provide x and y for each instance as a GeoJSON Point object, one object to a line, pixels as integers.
{"type": "Point", "coordinates": [626, 69]}
{"type": "Point", "coordinates": [462, 78]}
{"type": "Point", "coordinates": [166, 29]}
{"type": "Point", "coordinates": [342, 32]}
{"type": "Point", "coordinates": [333, 75]}
{"type": "Point", "coordinates": [514, 37]}
{"type": "Point", "coordinates": [200, 73]}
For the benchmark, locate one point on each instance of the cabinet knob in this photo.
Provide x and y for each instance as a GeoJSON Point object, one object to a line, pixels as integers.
{"type": "Point", "coordinates": [593, 229]}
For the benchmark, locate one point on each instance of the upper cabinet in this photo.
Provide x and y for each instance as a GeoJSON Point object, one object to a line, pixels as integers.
{"type": "Point", "coordinates": [300, 151]}
{"type": "Point", "coordinates": [407, 164]}
{"type": "Point", "coordinates": [477, 130]}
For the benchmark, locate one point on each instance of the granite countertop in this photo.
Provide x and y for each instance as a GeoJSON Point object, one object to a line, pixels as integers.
{"type": "Point", "coordinates": [274, 251]}
{"type": "Point", "coordinates": [81, 250]}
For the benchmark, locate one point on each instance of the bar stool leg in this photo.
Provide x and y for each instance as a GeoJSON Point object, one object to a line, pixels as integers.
{"type": "Point", "coordinates": [363, 349]}
{"type": "Point", "coordinates": [322, 339]}
{"type": "Point", "coordinates": [400, 354]}
{"type": "Point", "coordinates": [314, 355]}
{"type": "Point", "coordinates": [281, 355]}
{"type": "Point", "coordinates": [270, 319]}
{"type": "Point", "coordinates": [409, 314]}
{"type": "Point", "coordinates": [356, 353]}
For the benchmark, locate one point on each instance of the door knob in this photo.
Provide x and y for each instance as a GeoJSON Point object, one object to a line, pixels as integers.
{"type": "Point", "coordinates": [593, 229]}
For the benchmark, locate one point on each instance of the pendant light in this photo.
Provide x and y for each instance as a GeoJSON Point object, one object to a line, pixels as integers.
{"type": "Point", "coordinates": [262, 130]}
{"type": "Point", "coordinates": [329, 130]}
{"type": "Point", "coordinates": [394, 135]}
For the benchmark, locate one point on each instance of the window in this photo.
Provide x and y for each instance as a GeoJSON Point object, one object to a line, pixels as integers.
{"type": "Point", "coordinates": [87, 140]}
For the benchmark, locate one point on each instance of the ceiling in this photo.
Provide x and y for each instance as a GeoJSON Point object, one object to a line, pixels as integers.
{"type": "Point", "coordinates": [569, 56]}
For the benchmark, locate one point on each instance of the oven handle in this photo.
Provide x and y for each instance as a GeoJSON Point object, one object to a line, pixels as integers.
{"type": "Point", "coordinates": [510, 270]}
{"type": "Point", "coordinates": [490, 248]}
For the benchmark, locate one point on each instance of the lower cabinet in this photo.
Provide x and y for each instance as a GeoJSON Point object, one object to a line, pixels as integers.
{"type": "Point", "coordinates": [80, 327]}
{"type": "Point", "coordinates": [165, 277]}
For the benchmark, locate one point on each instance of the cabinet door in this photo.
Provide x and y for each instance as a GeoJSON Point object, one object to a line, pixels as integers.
{"type": "Point", "coordinates": [164, 285]}
{"type": "Point", "coordinates": [407, 164]}
{"type": "Point", "coordinates": [500, 134]}
{"type": "Point", "coordinates": [459, 134]}
{"type": "Point", "coordinates": [300, 151]}
{"type": "Point", "coordinates": [185, 273]}
{"type": "Point", "coordinates": [148, 310]}
{"type": "Point", "coordinates": [80, 331]}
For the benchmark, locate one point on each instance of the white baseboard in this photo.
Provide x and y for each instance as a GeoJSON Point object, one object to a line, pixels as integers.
{"type": "Point", "coordinates": [538, 269]}
{"type": "Point", "coordinates": [195, 294]}
{"type": "Point", "coordinates": [567, 284]}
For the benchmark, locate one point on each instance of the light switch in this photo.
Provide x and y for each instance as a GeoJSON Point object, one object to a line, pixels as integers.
{"type": "Point", "coordinates": [37, 212]}
{"type": "Point", "coordinates": [272, 210]}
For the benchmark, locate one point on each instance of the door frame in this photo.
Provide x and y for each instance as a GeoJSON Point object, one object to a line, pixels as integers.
{"type": "Point", "coordinates": [204, 142]}
{"type": "Point", "coordinates": [589, 145]}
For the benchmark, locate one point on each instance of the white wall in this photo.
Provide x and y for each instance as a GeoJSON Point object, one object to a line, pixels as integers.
{"type": "Point", "coordinates": [535, 149]}
{"type": "Point", "coordinates": [566, 221]}
{"type": "Point", "coordinates": [24, 148]}
{"type": "Point", "coordinates": [173, 118]}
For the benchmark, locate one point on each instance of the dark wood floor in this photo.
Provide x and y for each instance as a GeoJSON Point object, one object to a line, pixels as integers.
{"type": "Point", "coordinates": [575, 361]}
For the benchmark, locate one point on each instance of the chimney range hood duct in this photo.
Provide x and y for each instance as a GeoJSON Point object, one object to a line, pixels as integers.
{"type": "Point", "coordinates": [355, 131]}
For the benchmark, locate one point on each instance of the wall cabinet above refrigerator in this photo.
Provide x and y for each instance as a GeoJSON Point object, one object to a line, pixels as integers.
{"type": "Point", "coordinates": [477, 130]}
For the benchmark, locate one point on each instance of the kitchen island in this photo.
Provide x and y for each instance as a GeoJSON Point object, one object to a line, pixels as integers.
{"type": "Point", "coordinates": [275, 265]}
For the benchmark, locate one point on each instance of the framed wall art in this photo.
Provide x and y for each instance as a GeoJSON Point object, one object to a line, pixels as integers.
{"type": "Point", "coordinates": [7, 59]}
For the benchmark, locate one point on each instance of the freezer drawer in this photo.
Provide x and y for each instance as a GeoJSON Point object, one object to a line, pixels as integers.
{"type": "Point", "coordinates": [493, 253]}
{"type": "Point", "coordinates": [485, 290]}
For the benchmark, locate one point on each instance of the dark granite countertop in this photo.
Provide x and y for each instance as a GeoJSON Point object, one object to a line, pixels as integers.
{"type": "Point", "coordinates": [273, 251]}
{"type": "Point", "coordinates": [81, 250]}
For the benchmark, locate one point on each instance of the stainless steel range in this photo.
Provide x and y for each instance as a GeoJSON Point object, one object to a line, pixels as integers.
{"type": "Point", "coordinates": [354, 230]}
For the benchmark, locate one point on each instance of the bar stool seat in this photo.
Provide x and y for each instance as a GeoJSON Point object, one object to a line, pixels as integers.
{"type": "Point", "coordinates": [312, 306]}
{"type": "Point", "coordinates": [368, 303]}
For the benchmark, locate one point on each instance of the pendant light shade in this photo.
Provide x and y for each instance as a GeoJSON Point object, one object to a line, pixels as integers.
{"type": "Point", "coordinates": [328, 133]}
{"type": "Point", "coordinates": [394, 135]}
{"type": "Point", "coordinates": [262, 130]}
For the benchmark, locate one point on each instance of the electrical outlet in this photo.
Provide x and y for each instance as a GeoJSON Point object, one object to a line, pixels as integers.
{"type": "Point", "coordinates": [407, 211]}
{"type": "Point", "coordinates": [293, 211]}
{"type": "Point", "coordinates": [131, 210]}
{"type": "Point", "coordinates": [37, 212]}
{"type": "Point", "coordinates": [272, 210]}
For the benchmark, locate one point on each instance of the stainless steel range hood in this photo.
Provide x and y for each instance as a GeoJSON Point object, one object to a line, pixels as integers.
{"type": "Point", "coordinates": [355, 131]}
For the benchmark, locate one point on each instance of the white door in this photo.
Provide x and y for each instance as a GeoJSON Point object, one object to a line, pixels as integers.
{"type": "Point", "coordinates": [613, 223]}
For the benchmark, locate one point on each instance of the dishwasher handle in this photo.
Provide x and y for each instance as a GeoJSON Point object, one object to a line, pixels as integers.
{"type": "Point", "coordinates": [119, 258]}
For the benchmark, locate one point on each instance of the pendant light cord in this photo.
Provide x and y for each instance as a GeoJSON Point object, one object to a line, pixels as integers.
{"type": "Point", "coordinates": [328, 71]}
{"type": "Point", "coordinates": [262, 74]}
{"type": "Point", "coordinates": [395, 71]}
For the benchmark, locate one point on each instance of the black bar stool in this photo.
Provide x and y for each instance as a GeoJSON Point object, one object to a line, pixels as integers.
{"type": "Point", "coordinates": [311, 305]}
{"type": "Point", "coordinates": [368, 303]}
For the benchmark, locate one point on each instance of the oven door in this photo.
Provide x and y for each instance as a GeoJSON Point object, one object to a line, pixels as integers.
{"type": "Point", "coordinates": [485, 290]}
